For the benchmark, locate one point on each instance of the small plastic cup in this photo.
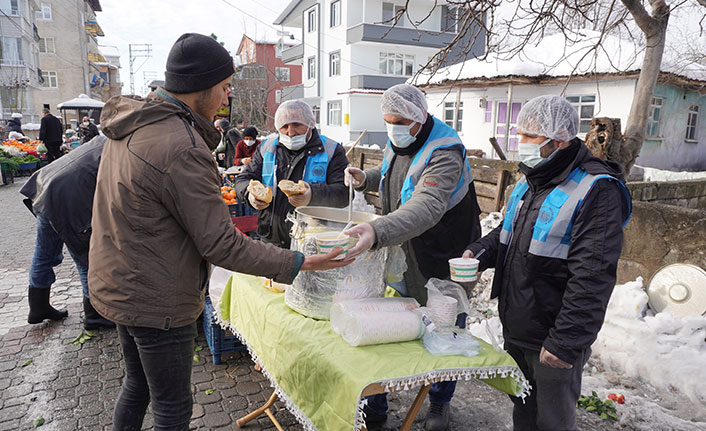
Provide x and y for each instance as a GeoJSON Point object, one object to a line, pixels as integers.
{"type": "Point", "coordinates": [464, 270]}
{"type": "Point", "coordinates": [327, 241]}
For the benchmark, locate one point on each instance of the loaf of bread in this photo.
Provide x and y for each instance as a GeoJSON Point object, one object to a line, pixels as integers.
{"type": "Point", "coordinates": [290, 188]}
{"type": "Point", "coordinates": [260, 191]}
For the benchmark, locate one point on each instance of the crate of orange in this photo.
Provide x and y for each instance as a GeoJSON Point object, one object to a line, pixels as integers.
{"type": "Point", "coordinates": [236, 209]}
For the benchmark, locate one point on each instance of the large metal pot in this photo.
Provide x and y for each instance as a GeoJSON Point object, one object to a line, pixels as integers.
{"type": "Point", "coordinates": [313, 292]}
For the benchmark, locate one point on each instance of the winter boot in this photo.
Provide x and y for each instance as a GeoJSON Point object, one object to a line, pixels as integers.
{"type": "Point", "coordinates": [91, 319]}
{"type": "Point", "coordinates": [39, 308]}
{"type": "Point", "coordinates": [438, 417]}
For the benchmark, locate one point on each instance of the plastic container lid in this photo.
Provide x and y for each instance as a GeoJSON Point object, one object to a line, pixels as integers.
{"type": "Point", "coordinates": [679, 289]}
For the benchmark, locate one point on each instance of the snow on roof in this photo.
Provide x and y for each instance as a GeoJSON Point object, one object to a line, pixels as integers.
{"type": "Point", "coordinates": [109, 51]}
{"type": "Point", "coordinates": [555, 55]}
{"type": "Point", "coordinates": [82, 101]}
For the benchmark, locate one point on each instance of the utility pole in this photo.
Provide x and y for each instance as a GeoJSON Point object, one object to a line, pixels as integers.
{"type": "Point", "coordinates": [147, 77]}
{"type": "Point", "coordinates": [138, 50]}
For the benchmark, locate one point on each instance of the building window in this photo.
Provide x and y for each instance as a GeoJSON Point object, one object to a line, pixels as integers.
{"type": "Point", "coordinates": [449, 111]}
{"type": "Point", "coordinates": [278, 96]}
{"type": "Point", "coordinates": [389, 11]}
{"type": "Point", "coordinates": [334, 113]}
{"type": "Point", "coordinates": [396, 64]}
{"type": "Point", "coordinates": [44, 13]}
{"type": "Point", "coordinates": [488, 111]}
{"type": "Point", "coordinates": [10, 7]}
{"type": "Point", "coordinates": [252, 54]}
{"type": "Point", "coordinates": [691, 122]}
{"type": "Point", "coordinates": [334, 63]}
{"type": "Point", "coordinates": [317, 113]}
{"type": "Point", "coordinates": [450, 18]}
{"type": "Point", "coordinates": [311, 67]}
{"type": "Point", "coordinates": [585, 106]}
{"type": "Point", "coordinates": [311, 20]}
{"type": "Point", "coordinates": [50, 79]}
{"type": "Point", "coordinates": [11, 51]}
{"type": "Point", "coordinates": [46, 45]}
{"type": "Point", "coordinates": [653, 117]}
{"type": "Point", "coordinates": [282, 74]}
{"type": "Point", "coordinates": [335, 13]}
{"type": "Point", "coordinates": [501, 120]}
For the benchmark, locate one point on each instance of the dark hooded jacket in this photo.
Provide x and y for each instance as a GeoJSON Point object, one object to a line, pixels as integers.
{"type": "Point", "coordinates": [555, 303]}
{"type": "Point", "coordinates": [14, 125]}
{"type": "Point", "coordinates": [159, 219]}
{"type": "Point", "coordinates": [63, 191]}
{"type": "Point", "coordinates": [272, 224]}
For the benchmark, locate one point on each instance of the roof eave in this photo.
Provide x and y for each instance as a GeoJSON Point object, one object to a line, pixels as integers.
{"type": "Point", "coordinates": [286, 12]}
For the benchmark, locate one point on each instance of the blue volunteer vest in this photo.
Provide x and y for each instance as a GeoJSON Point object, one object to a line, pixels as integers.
{"type": "Point", "coordinates": [316, 164]}
{"type": "Point", "coordinates": [441, 136]}
{"type": "Point", "coordinates": [551, 236]}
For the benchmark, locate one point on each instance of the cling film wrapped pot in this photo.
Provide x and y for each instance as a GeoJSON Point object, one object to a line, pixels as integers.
{"type": "Point", "coordinates": [313, 292]}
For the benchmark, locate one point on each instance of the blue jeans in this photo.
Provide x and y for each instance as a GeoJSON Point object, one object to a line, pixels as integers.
{"type": "Point", "coordinates": [49, 253]}
{"type": "Point", "coordinates": [158, 369]}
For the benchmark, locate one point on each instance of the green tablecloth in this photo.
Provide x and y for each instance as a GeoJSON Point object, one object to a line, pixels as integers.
{"type": "Point", "coordinates": [320, 377]}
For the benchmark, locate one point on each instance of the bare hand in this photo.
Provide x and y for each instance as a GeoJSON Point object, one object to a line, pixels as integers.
{"type": "Point", "coordinates": [468, 254]}
{"type": "Point", "coordinates": [303, 199]}
{"type": "Point", "coordinates": [257, 203]}
{"type": "Point", "coordinates": [245, 160]}
{"type": "Point", "coordinates": [549, 359]}
{"type": "Point", "coordinates": [221, 156]}
{"type": "Point", "coordinates": [357, 174]}
{"type": "Point", "coordinates": [366, 235]}
{"type": "Point", "coordinates": [320, 262]}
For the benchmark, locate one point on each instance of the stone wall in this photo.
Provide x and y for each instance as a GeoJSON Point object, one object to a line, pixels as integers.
{"type": "Point", "coordinates": [658, 235]}
{"type": "Point", "coordinates": [686, 193]}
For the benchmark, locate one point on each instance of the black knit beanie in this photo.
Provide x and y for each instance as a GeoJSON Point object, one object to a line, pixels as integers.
{"type": "Point", "coordinates": [196, 62]}
{"type": "Point", "coordinates": [250, 132]}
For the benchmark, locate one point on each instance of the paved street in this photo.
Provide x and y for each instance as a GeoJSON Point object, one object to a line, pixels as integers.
{"type": "Point", "coordinates": [74, 387]}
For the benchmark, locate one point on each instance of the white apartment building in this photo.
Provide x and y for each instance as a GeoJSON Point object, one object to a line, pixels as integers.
{"type": "Point", "coordinates": [19, 63]}
{"type": "Point", "coordinates": [69, 56]}
{"type": "Point", "coordinates": [350, 55]}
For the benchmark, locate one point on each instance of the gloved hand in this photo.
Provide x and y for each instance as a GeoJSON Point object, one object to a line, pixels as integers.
{"type": "Point", "coordinates": [257, 203]}
{"type": "Point", "coordinates": [367, 238]}
{"type": "Point", "coordinates": [358, 175]}
{"type": "Point", "coordinates": [303, 199]}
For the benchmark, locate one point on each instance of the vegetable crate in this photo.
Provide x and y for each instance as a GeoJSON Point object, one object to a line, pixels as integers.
{"type": "Point", "coordinates": [219, 340]}
{"type": "Point", "coordinates": [241, 209]}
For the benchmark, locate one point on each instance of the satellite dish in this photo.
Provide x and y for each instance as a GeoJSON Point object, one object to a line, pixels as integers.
{"type": "Point", "coordinates": [679, 289]}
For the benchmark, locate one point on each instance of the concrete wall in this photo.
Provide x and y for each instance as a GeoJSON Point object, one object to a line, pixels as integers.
{"type": "Point", "coordinates": [685, 194]}
{"type": "Point", "coordinates": [659, 235]}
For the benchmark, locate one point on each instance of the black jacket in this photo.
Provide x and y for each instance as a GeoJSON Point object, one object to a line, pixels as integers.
{"type": "Point", "coordinates": [290, 166]}
{"type": "Point", "coordinates": [232, 137]}
{"type": "Point", "coordinates": [88, 132]}
{"type": "Point", "coordinates": [63, 192]}
{"type": "Point", "coordinates": [14, 125]}
{"type": "Point", "coordinates": [554, 303]}
{"type": "Point", "coordinates": [50, 130]}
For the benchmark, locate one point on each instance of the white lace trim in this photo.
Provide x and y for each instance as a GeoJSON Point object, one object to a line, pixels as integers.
{"type": "Point", "coordinates": [389, 385]}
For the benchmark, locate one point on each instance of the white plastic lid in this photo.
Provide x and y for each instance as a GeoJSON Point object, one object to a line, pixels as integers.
{"type": "Point", "coordinates": [679, 289]}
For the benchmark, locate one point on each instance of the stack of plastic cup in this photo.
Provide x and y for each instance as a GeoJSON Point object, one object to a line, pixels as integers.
{"type": "Point", "coordinates": [339, 310]}
{"type": "Point", "coordinates": [443, 310]}
{"type": "Point", "coordinates": [363, 328]}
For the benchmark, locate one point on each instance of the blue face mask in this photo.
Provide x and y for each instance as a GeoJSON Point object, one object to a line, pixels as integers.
{"type": "Point", "coordinates": [530, 153]}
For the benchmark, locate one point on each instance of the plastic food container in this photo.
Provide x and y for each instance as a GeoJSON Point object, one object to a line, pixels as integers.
{"type": "Point", "coordinates": [327, 241]}
{"type": "Point", "coordinates": [463, 269]}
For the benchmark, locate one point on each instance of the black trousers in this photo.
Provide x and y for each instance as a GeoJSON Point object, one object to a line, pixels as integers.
{"type": "Point", "coordinates": [53, 151]}
{"type": "Point", "coordinates": [551, 404]}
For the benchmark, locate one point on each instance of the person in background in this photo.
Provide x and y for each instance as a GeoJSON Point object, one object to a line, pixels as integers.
{"type": "Point", "coordinates": [298, 152]}
{"type": "Point", "coordinates": [88, 130]}
{"type": "Point", "coordinates": [159, 223]}
{"type": "Point", "coordinates": [51, 134]}
{"type": "Point", "coordinates": [225, 152]}
{"type": "Point", "coordinates": [555, 258]}
{"type": "Point", "coordinates": [429, 206]}
{"type": "Point", "coordinates": [246, 147]}
{"type": "Point", "coordinates": [60, 195]}
{"type": "Point", "coordinates": [14, 124]}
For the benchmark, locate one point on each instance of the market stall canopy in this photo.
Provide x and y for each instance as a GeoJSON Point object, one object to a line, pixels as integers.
{"type": "Point", "coordinates": [81, 102]}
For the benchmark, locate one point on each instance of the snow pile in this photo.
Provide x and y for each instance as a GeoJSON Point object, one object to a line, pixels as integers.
{"type": "Point", "coordinates": [666, 352]}
{"type": "Point", "coordinates": [653, 174]}
{"type": "Point", "coordinates": [490, 222]}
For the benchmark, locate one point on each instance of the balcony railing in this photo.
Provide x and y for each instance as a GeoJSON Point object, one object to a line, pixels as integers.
{"type": "Point", "coordinates": [294, 53]}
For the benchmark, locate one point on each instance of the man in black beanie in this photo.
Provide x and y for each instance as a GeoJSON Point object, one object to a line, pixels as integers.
{"type": "Point", "coordinates": [159, 222]}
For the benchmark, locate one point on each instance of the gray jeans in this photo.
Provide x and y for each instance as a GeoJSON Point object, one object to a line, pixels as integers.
{"type": "Point", "coordinates": [551, 404]}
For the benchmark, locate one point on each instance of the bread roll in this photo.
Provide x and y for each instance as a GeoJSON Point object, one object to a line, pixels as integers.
{"type": "Point", "coordinates": [260, 191]}
{"type": "Point", "coordinates": [290, 188]}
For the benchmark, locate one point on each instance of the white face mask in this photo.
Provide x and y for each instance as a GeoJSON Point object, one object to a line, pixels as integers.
{"type": "Point", "coordinates": [294, 143]}
{"type": "Point", "coordinates": [250, 142]}
{"type": "Point", "coordinates": [530, 153]}
{"type": "Point", "coordinates": [86, 123]}
{"type": "Point", "coordinates": [400, 135]}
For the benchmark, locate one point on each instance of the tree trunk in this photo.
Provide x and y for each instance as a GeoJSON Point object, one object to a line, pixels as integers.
{"type": "Point", "coordinates": [655, 29]}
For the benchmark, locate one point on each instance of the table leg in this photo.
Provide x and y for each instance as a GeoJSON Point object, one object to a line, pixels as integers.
{"type": "Point", "coordinates": [414, 409]}
{"type": "Point", "coordinates": [264, 409]}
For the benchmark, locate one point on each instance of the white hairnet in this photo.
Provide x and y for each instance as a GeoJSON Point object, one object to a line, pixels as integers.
{"type": "Point", "coordinates": [549, 116]}
{"type": "Point", "coordinates": [405, 101]}
{"type": "Point", "coordinates": [294, 111]}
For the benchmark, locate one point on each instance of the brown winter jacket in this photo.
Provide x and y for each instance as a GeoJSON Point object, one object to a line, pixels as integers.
{"type": "Point", "coordinates": [159, 220]}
